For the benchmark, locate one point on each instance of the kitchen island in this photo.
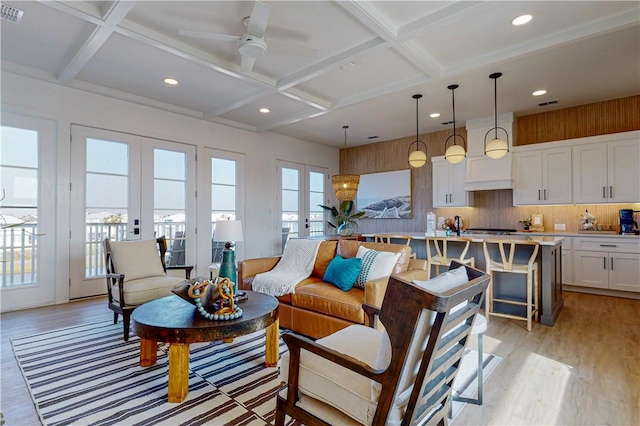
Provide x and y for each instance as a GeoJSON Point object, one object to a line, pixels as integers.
{"type": "Point", "coordinates": [549, 264]}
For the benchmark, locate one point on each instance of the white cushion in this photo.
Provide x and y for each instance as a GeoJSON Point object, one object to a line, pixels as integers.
{"type": "Point", "coordinates": [137, 292]}
{"type": "Point", "coordinates": [337, 386]}
{"type": "Point", "coordinates": [445, 281]}
{"type": "Point", "coordinates": [136, 259]}
{"type": "Point", "coordinates": [375, 264]}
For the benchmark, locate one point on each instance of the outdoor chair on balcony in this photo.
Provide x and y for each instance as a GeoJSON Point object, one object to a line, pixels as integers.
{"type": "Point", "coordinates": [403, 375]}
{"type": "Point", "coordinates": [136, 273]}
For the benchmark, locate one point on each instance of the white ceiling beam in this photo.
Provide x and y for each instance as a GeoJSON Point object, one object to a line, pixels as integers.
{"type": "Point", "coordinates": [238, 103]}
{"type": "Point", "coordinates": [379, 91]}
{"type": "Point", "coordinates": [329, 64]}
{"type": "Point", "coordinates": [291, 119]}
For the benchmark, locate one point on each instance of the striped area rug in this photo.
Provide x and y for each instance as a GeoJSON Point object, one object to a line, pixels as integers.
{"type": "Point", "coordinates": [87, 375]}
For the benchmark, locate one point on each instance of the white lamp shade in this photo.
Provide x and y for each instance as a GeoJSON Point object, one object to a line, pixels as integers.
{"type": "Point", "coordinates": [417, 158]}
{"type": "Point", "coordinates": [496, 148]}
{"type": "Point", "coordinates": [455, 154]}
{"type": "Point", "coordinates": [228, 231]}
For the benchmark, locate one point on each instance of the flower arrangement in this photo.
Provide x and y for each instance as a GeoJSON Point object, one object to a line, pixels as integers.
{"type": "Point", "coordinates": [526, 223]}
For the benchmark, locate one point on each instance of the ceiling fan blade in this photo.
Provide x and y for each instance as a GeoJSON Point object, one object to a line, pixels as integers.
{"type": "Point", "coordinates": [210, 36]}
{"type": "Point", "coordinates": [247, 63]}
{"type": "Point", "coordinates": [258, 19]}
{"type": "Point", "coordinates": [285, 46]}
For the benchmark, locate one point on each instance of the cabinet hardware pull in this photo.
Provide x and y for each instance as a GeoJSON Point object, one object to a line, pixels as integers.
{"type": "Point", "coordinates": [610, 191]}
{"type": "Point", "coordinates": [608, 245]}
{"type": "Point", "coordinates": [545, 194]}
{"type": "Point", "coordinates": [604, 193]}
{"type": "Point", "coordinates": [611, 263]}
{"type": "Point", "coordinates": [538, 194]}
{"type": "Point", "coordinates": [604, 263]}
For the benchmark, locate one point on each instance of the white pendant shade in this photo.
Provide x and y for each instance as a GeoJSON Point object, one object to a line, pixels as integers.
{"type": "Point", "coordinates": [417, 158]}
{"type": "Point", "coordinates": [455, 154]}
{"type": "Point", "coordinates": [497, 148]}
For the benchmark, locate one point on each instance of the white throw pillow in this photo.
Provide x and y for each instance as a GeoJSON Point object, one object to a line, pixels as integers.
{"type": "Point", "coordinates": [445, 281]}
{"type": "Point", "coordinates": [375, 264]}
{"type": "Point", "coordinates": [136, 259]}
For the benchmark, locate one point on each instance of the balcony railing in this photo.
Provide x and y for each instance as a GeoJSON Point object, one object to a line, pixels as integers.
{"type": "Point", "coordinates": [18, 260]}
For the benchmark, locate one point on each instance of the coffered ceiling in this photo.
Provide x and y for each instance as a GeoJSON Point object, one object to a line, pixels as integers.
{"type": "Point", "coordinates": [368, 59]}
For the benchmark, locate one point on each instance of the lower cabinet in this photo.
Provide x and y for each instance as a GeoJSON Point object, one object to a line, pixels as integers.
{"type": "Point", "coordinates": [567, 261]}
{"type": "Point", "coordinates": [611, 265]}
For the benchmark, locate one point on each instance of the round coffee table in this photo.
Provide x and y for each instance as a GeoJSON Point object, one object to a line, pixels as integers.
{"type": "Point", "coordinates": [177, 322]}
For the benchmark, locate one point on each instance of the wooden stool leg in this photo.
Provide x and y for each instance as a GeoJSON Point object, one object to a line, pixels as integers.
{"type": "Point", "coordinates": [178, 372]}
{"type": "Point", "coordinates": [148, 352]}
{"type": "Point", "coordinates": [272, 343]}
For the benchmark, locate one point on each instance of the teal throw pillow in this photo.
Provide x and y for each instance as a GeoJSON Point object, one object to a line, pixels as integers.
{"type": "Point", "coordinates": [343, 272]}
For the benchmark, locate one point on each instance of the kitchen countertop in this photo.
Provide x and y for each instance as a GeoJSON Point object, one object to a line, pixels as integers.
{"type": "Point", "coordinates": [544, 240]}
{"type": "Point", "coordinates": [578, 234]}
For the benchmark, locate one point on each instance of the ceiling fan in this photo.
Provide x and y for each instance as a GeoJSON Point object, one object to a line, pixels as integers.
{"type": "Point", "coordinates": [252, 43]}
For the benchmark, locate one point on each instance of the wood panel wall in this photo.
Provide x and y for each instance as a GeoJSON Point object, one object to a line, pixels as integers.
{"type": "Point", "coordinates": [494, 209]}
{"type": "Point", "coordinates": [600, 118]}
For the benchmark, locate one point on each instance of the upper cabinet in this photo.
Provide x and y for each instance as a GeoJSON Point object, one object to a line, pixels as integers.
{"type": "Point", "coordinates": [448, 184]}
{"type": "Point", "coordinates": [607, 172]}
{"type": "Point", "coordinates": [542, 176]}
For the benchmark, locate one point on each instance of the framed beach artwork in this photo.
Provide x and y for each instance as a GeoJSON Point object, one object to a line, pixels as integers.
{"type": "Point", "coordinates": [385, 195]}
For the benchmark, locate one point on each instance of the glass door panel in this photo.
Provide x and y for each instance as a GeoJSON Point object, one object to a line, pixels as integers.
{"type": "Point", "coordinates": [27, 211]}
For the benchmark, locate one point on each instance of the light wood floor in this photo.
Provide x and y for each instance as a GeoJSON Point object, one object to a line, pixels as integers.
{"type": "Point", "coordinates": [583, 371]}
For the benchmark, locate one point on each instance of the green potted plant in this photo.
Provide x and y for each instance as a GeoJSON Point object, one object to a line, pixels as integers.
{"type": "Point", "coordinates": [343, 221]}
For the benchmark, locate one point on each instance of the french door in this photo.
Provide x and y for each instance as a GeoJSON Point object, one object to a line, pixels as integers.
{"type": "Point", "coordinates": [302, 190]}
{"type": "Point", "coordinates": [127, 187]}
{"type": "Point", "coordinates": [27, 211]}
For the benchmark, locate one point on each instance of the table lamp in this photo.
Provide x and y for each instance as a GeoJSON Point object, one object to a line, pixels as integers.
{"type": "Point", "coordinates": [229, 232]}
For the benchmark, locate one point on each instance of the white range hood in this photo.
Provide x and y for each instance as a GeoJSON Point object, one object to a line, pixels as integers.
{"type": "Point", "coordinates": [484, 173]}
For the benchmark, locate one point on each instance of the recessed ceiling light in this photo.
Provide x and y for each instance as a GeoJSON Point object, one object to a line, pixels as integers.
{"type": "Point", "coordinates": [265, 110]}
{"type": "Point", "coordinates": [434, 115]}
{"type": "Point", "coordinates": [539, 92]}
{"type": "Point", "coordinates": [171, 81]}
{"type": "Point", "coordinates": [521, 20]}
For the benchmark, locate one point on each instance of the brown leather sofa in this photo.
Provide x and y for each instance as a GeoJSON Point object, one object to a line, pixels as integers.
{"type": "Point", "coordinates": [318, 308]}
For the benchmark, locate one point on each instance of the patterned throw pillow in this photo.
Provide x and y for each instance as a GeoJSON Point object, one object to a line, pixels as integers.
{"type": "Point", "coordinates": [375, 264]}
{"type": "Point", "coordinates": [343, 272]}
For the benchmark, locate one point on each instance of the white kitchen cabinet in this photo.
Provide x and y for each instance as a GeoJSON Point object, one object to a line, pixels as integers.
{"type": "Point", "coordinates": [448, 184]}
{"type": "Point", "coordinates": [607, 172]}
{"type": "Point", "coordinates": [611, 264]}
{"type": "Point", "coordinates": [542, 176]}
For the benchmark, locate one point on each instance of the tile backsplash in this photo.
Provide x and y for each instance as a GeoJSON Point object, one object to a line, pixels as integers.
{"type": "Point", "coordinates": [494, 209]}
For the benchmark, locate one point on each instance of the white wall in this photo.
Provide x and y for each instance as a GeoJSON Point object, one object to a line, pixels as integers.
{"type": "Point", "coordinates": [66, 106]}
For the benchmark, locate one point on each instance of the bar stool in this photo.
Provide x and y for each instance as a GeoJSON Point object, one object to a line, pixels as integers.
{"type": "Point", "coordinates": [386, 238]}
{"type": "Point", "coordinates": [441, 256]}
{"type": "Point", "coordinates": [504, 252]}
{"type": "Point", "coordinates": [479, 327]}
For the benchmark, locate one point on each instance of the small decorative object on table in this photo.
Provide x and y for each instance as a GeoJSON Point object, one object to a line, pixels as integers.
{"type": "Point", "coordinates": [226, 306]}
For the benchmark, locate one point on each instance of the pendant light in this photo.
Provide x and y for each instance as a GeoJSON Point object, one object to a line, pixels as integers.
{"type": "Point", "coordinates": [455, 153]}
{"type": "Point", "coordinates": [417, 158]}
{"type": "Point", "coordinates": [496, 148]}
{"type": "Point", "coordinates": [345, 186]}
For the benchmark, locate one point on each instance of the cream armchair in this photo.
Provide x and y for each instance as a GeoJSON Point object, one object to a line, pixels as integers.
{"type": "Point", "coordinates": [136, 273]}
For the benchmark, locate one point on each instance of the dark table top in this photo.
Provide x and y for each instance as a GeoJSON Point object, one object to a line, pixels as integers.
{"type": "Point", "coordinates": [174, 320]}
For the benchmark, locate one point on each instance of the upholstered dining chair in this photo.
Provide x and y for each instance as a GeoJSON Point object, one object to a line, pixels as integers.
{"type": "Point", "coordinates": [136, 273]}
{"type": "Point", "coordinates": [401, 375]}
